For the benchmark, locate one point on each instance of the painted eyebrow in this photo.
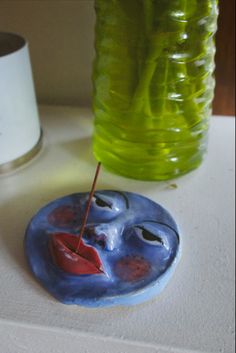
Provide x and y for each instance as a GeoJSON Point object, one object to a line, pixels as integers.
{"type": "Point", "coordinates": [125, 198]}
{"type": "Point", "coordinates": [164, 224]}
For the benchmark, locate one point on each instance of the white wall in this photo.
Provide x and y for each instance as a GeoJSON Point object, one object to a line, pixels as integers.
{"type": "Point", "coordinates": [60, 34]}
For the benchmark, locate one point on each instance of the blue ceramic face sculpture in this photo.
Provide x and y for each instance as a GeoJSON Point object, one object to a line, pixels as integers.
{"type": "Point", "coordinates": [129, 249]}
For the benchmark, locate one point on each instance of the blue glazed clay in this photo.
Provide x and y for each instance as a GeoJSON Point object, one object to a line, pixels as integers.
{"type": "Point", "coordinates": [136, 240]}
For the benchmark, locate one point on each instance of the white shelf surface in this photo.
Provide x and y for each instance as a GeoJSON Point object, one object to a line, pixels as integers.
{"type": "Point", "coordinates": [195, 313]}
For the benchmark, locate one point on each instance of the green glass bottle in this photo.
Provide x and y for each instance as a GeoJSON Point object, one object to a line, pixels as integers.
{"type": "Point", "coordinates": [153, 85]}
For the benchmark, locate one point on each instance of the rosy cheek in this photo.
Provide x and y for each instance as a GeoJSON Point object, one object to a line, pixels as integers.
{"type": "Point", "coordinates": [132, 268]}
{"type": "Point", "coordinates": [62, 216]}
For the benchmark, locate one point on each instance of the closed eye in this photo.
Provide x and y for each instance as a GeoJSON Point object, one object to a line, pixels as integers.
{"type": "Point", "coordinates": [101, 203]}
{"type": "Point", "coordinates": [148, 237]}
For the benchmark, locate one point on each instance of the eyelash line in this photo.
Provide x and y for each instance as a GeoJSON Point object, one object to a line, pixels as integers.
{"type": "Point", "coordinates": [100, 199]}
{"type": "Point", "coordinates": [156, 236]}
{"type": "Point", "coordinates": [164, 224]}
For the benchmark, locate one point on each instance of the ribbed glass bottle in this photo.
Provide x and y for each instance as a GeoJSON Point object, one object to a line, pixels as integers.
{"type": "Point", "coordinates": [153, 85]}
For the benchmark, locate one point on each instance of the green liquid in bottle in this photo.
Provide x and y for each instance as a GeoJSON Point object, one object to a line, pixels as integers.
{"type": "Point", "coordinates": [153, 85]}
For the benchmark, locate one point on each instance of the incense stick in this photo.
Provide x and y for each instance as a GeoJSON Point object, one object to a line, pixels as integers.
{"type": "Point", "coordinates": [88, 207]}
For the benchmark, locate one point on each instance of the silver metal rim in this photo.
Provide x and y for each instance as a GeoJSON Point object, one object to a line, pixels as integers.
{"type": "Point", "coordinates": [12, 165]}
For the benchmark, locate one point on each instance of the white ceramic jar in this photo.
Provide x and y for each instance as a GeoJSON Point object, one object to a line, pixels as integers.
{"type": "Point", "coordinates": [20, 133]}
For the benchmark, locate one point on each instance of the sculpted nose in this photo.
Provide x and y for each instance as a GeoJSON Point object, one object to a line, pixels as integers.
{"type": "Point", "coordinates": [106, 235]}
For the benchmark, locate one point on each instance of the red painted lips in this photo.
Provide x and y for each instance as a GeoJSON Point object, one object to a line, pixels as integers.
{"type": "Point", "coordinates": [84, 262]}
